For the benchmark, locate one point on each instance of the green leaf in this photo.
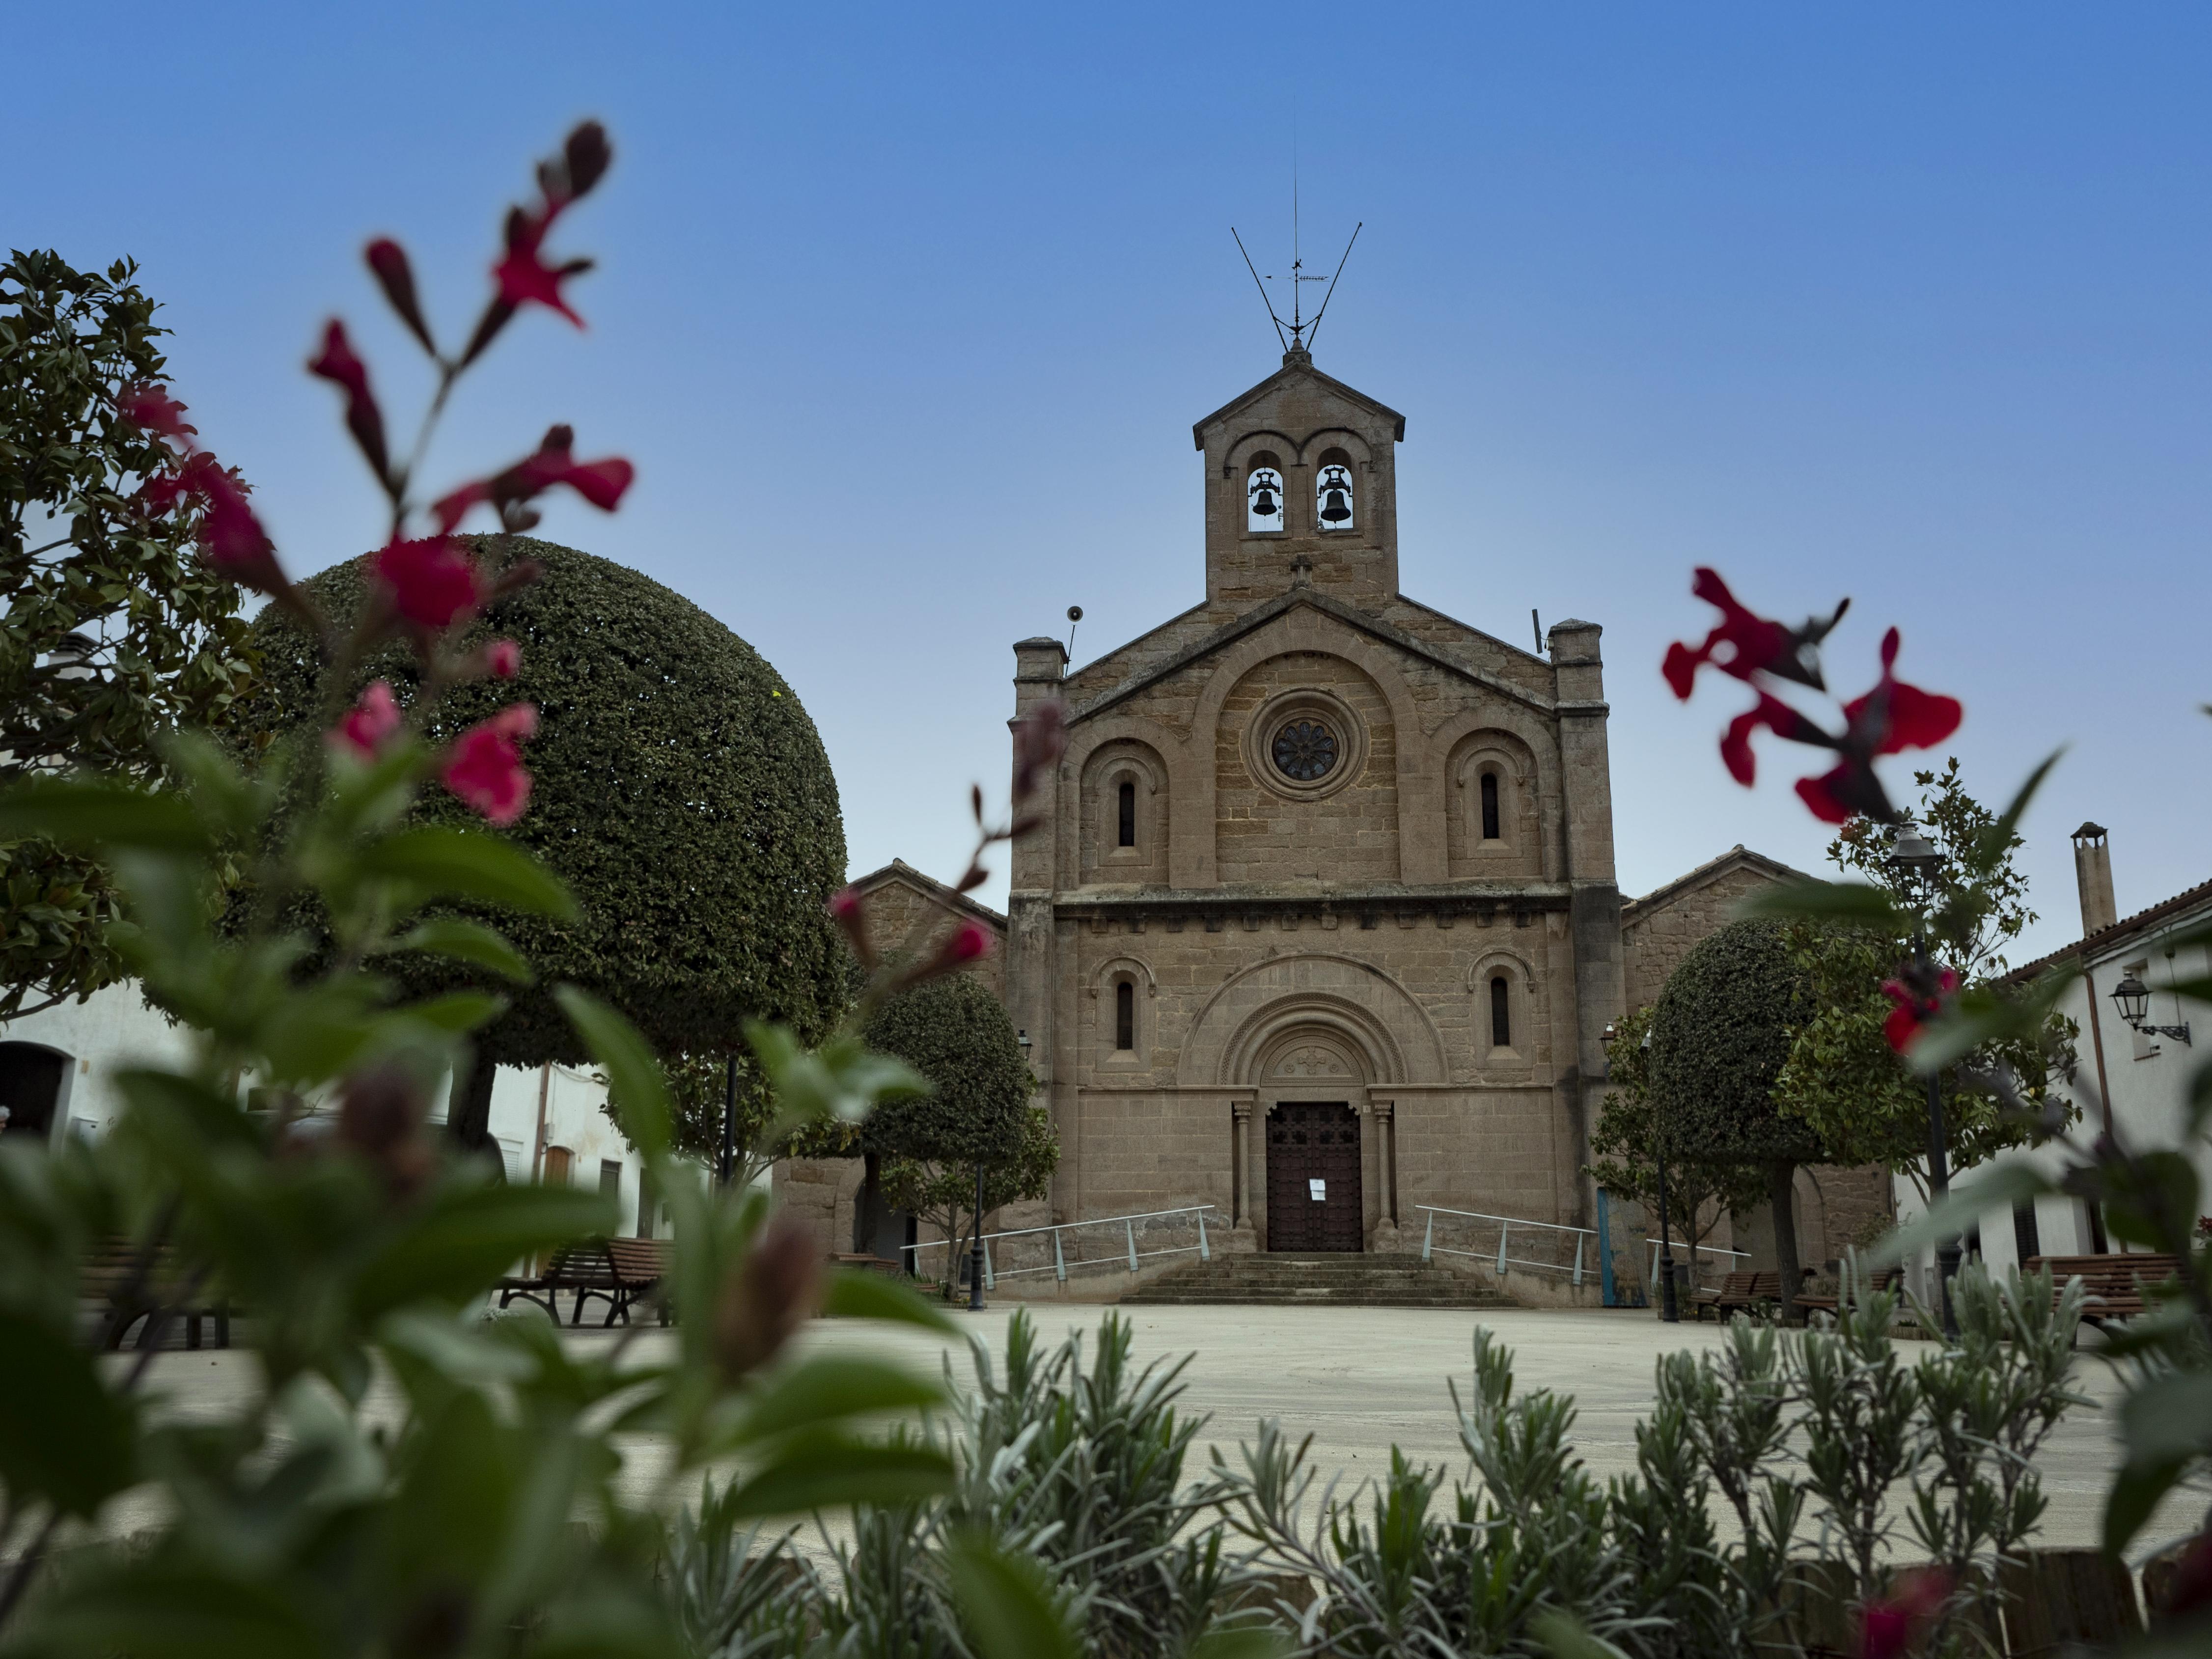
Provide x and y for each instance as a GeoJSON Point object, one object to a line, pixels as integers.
{"type": "Point", "coordinates": [175, 1612]}
{"type": "Point", "coordinates": [818, 1391]}
{"type": "Point", "coordinates": [2135, 1493]}
{"type": "Point", "coordinates": [466, 940]}
{"type": "Point", "coordinates": [1951, 1215]}
{"type": "Point", "coordinates": [208, 1116]}
{"type": "Point", "coordinates": [843, 1079]}
{"type": "Point", "coordinates": [457, 1012]}
{"type": "Point", "coordinates": [1986, 1014]}
{"type": "Point", "coordinates": [84, 812]}
{"type": "Point", "coordinates": [1854, 903]}
{"type": "Point", "coordinates": [635, 1088]}
{"type": "Point", "coordinates": [468, 864]}
{"type": "Point", "coordinates": [1563, 1637]}
{"type": "Point", "coordinates": [1242, 1642]}
{"type": "Point", "coordinates": [822, 1469]}
{"type": "Point", "coordinates": [1993, 843]}
{"type": "Point", "coordinates": [2168, 1417]}
{"type": "Point", "coordinates": [1006, 1604]}
{"type": "Point", "coordinates": [466, 1237]}
{"type": "Point", "coordinates": [62, 1435]}
{"type": "Point", "coordinates": [854, 1293]}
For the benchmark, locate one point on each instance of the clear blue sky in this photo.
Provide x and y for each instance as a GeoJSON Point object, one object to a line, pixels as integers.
{"type": "Point", "coordinates": [905, 313]}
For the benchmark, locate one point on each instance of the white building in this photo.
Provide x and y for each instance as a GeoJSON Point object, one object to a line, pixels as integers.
{"type": "Point", "coordinates": [57, 1071]}
{"type": "Point", "coordinates": [2140, 1070]}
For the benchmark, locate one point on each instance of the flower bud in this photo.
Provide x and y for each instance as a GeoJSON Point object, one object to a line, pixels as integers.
{"type": "Point", "coordinates": [381, 1112]}
{"type": "Point", "coordinates": [776, 1289]}
{"type": "Point", "coordinates": [503, 659]}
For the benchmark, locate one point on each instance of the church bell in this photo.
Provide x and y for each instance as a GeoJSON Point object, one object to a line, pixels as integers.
{"type": "Point", "coordinates": [1334, 511]}
{"type": "Point", "coordinates": [1263, 503]}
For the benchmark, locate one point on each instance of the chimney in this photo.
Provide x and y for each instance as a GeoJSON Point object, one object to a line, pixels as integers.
{"type": "Point", "coordinates": [2093, 871]}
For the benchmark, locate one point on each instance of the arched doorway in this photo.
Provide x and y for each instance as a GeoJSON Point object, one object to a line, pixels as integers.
{"type": "Point", "coordinates": [1314, 1197]}
{"type": "Point", "coordinates": [30, 1078]}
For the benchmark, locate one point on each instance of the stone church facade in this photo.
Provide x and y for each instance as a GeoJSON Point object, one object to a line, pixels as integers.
{"type": "Point", "coordinates": [1325, 892]}
{"type": "Point", "coordinates": [1321, 925]}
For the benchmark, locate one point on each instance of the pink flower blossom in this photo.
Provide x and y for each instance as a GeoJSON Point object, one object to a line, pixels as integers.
{"type": "Point", "coordinates": [503, 659]}
{"type": "Point", "coordinates": [387, 261]}
{"type": "Point", "coordinates": [230, 535]}
{"type": "Point", "coordinates": [601, 482]}
{"type": "Point", "coordinates": [969, 941]}
{"type": "Point", "coordinates": [339, 364]}
{"type": "Point", "coordinates": [1887, 1627]}
{"type": "Point", "coordinates": [1754, 644]}
{"type": "Point", "coordinates": [523, 276]}
{"type": "Point", "coordinates": [485, 766]}
{"type": "Point", "coordinates": [153, 408]}
{"type": "Point", "coordinates": [373, 719]}
{"type": "Point", "coordinates": [434, 582]}
{"type": "Point", "coordinates": [1914, 1009]}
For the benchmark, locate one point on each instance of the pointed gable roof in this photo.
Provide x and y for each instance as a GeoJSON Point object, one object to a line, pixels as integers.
{"type": "Point", "coordinates": [1298, 366]}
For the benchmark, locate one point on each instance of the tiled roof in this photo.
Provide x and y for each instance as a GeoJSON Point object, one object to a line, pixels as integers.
{"type": "Point", "coordinates": [2106, 939]}
{"type": "Point", "coordinates": [1735, 857]}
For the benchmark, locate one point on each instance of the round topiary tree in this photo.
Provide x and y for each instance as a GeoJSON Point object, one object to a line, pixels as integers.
{"type": "Point", "coordinates": [679, 790]}
{"type": "Point", "coordinates": [1719, 1037]}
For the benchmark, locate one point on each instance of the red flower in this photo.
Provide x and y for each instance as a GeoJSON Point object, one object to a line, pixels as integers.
{"type": "Point", "coordinates": [503, 659]}
{"type": "Point", "coordinates": [153, 408]}
{"type": "Point", "coordinates": [524, 279]}
{"type": "Point", "coordinates": [970, 940]}
{"type": "Point", "coordinates": [1896, 716]}
{"type": "Point", "coordinates": [339, 365]}
{"type": "Point", "coordinates": [370, 721]}
{"type": "Point", "coordinates": [1886, 1627]}
{"type": "Point", "coordinates": [387, 260]}
{"type": "Point", "coordinates": [231, 537]}
{"type": "Point", "coordinates": [1913, 1009]}
{"type": "Point", "coordinates": [600, 482]}
{"type": "Point", "coordinates": [1756, 645]}
{"type": "Point", "coordinates": [1777, 717]}
{"type": "Point", "coordinates": [434, 582]}
{"type": "Point", "coordinates": [485, 766]}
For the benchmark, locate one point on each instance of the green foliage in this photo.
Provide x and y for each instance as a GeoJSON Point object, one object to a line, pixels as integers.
{"type": "Point", "coordinates": [942, 1195]}
{"type": "Point", "coordinates": [1721, 1033]}
{"type": "Point", "coordinates": [956, 1034]}
{"type": "Point", "coordinates": [681, 793]}
{"type": "Point", "coordinates": [1842, 1076]}
{"type": "Point", "coordinates": [112, 633]}
{"type": "Point", "coordinates": [1626, 1142]}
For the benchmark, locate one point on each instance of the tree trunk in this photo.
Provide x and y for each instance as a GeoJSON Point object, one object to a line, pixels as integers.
{"type": "Point", "coordinates": [1782, 1204]}
{"type": "Point", "coordinates": [468, 1108]}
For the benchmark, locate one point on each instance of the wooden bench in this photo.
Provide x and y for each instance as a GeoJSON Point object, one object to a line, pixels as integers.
{"type": "Point", "coordinates": [1741, 1293]}
{"type": "Point", "coordinates": [2114, 1283]}
{"type": "Point", "coordinates": [113, 1276]}
{"type": "Point", "coordinates": [1889, 1279]}
{"type": "Point", "coordinates": [620, 1271]}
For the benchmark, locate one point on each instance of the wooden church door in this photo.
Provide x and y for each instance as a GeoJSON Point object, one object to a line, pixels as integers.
{"type": "Point", "coordinates": [1313, 1177]}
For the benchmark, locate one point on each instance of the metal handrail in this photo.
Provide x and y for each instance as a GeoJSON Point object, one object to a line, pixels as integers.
{"type": "Point", "coordinates": [1652, 1276]}
{"type": "Point", "coordinates": [1505, 1225]}
{"type": "Point", "coordinates": [1059, 1266]}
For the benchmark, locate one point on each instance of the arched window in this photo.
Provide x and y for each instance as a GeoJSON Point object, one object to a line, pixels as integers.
{"type": "Point", "coordinates": [1263, 493]}
{"type": "Point", "coordinates": [1126, 809]}
{"type": "Point", "coordinates": [1333, 491]}
{"type": "Point", "coordinates": [1489, 830]}
{"type": "Point", "coordinates": [1501, 1014]}
{"type": "Point", "coordinates": [1125, 1016]}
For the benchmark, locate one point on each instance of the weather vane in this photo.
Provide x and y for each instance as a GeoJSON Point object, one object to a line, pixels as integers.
{"type": "Point", "coordinates": [1301, 333]}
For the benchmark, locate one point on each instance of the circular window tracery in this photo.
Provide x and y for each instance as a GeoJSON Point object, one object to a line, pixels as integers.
{"type": "Point", "coordinates": [1305, 751]}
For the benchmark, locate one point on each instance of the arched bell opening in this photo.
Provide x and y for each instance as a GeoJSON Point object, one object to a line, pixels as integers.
{"type": "Point", "coordinates": [1334, 494]}
{"type": "Point", "coordinates": [1263, 493]}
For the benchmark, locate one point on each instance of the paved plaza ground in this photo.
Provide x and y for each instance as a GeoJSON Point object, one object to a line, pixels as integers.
{"type": "Point", "coordinates": [1359, 1379]}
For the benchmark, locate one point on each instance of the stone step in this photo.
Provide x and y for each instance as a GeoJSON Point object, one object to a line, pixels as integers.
{"type": "Point", "coordinates": [1345, 1279]}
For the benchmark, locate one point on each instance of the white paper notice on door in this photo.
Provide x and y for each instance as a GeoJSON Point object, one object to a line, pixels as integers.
{"type": "Point", "coordinates": [1320, 1191]}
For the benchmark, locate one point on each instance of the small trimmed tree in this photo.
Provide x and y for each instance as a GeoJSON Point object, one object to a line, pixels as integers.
{"type": "Point", "coordinates": [957, 1034]}
{"type": "Point", "coordinates": [1626, 1145]}
{"type": "Point", "coordinates": [681, 792]}
{"type": "Point", "coordinates": [1719, 1035]}
{"type": "Point", "coordinates": [944, 1194]}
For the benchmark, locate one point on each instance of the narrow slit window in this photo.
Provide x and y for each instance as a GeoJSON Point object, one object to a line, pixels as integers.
{"type": "Point", "coordinates": [1126, 810]}
{"type": "Point", "coordinates": [1501, 1014]}
{"type": "Point", "coordinates": [1125, 1016]}
{"type": "Point", "coordinates": [1490, 829]}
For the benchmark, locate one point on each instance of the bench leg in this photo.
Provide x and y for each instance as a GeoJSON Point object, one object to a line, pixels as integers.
{"type": "Point", "coordinates": [192, 1330]}
{"type": "Point", "coordinates": [222, 1324]}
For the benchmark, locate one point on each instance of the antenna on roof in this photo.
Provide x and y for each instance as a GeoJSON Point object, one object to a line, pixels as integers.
{"type": "Point", "coordinates": [1300, 337]}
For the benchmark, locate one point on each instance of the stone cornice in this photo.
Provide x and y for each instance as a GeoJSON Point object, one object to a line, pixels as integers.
{"type": "Point", "coordinates": [1229, 633]}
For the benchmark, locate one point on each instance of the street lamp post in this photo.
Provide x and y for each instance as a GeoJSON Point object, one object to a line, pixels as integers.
{"type": "Point", "coordinates": [1918, 858]}
{"type": "Point", "coordinates": [729, 1159]}
{"type": "Point", "coordinates": [1667, 1310]}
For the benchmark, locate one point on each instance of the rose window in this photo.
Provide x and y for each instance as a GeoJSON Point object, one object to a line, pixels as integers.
{"type": "Point", "coordinates": [1305, 751]}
